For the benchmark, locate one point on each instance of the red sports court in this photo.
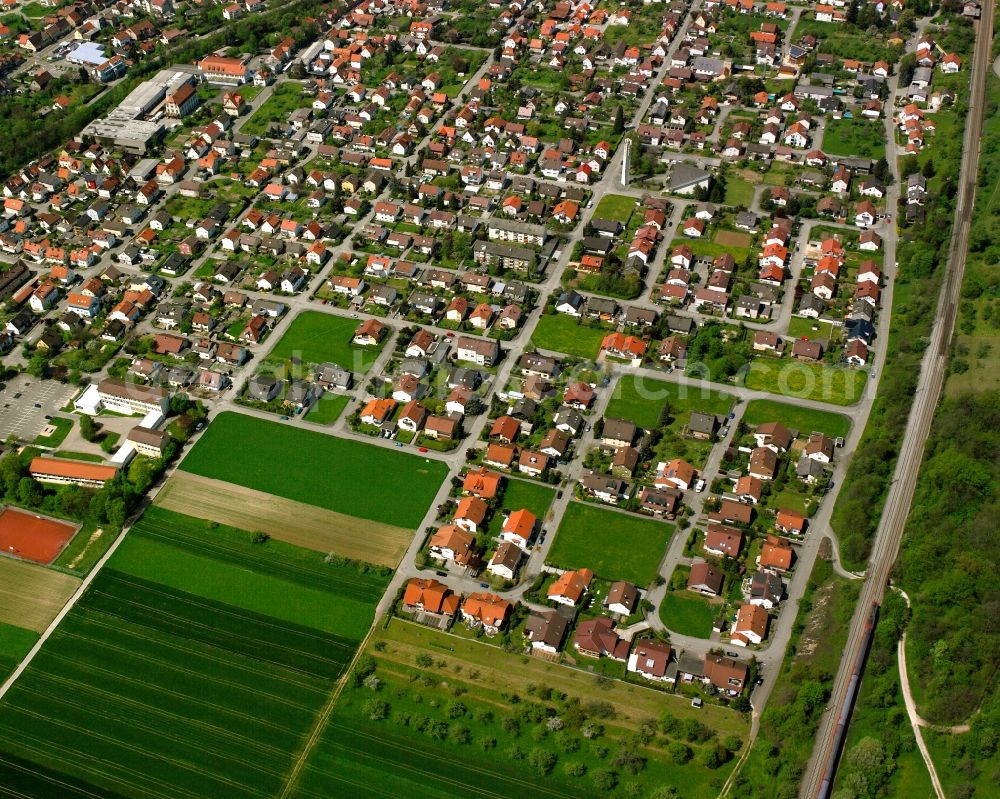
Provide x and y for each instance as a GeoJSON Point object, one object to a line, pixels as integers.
{"type": "Point", "coordinates": [26, 535]}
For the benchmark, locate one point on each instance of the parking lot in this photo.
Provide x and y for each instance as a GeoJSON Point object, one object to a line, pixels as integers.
{"type": "Point", "coordinates": [24, 415]}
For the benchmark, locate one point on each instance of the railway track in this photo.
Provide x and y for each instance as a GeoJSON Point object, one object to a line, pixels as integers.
{"type": "Point", "coordinates": [817, 783]}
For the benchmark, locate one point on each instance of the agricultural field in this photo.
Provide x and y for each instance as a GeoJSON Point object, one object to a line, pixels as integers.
{"type": "Point", "coordinates": [285, 520]}
{"type": "Point", "coordinates": [15, 642]}
{"type": "Point", "coordinates": [860, 137]}
{"type": "Point", "coordinates": [795, 417]}
{"type": "Point", "coordinates": [343, 476]}
{"type": "Point", "coordinates": [641, 400]}
{"type": "Point", "coordinates": [147, 691]}
{"type": "Point", "coordinates": [615, 546]}
{"type": "Point", "coordinates": [194, 666]}
{"type": "Point", "coordinates": [812, 381]}
{"type": "Point", "coordinates": [223, 564]}
{"type": "Point", "coordinates": [615, 206]}
{"type": "Point", "coordinates": [687, 613]}
{"type": "Point", "coordinates": [440, 723]}
{"type": "Point", "coordinates": [316, 337]}
{"type": "Point", "coordinates": [561, 333]}
{"type": "Point", "coordinates": [31, 595]}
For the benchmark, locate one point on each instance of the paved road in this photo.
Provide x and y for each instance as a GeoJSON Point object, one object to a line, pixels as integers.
{"type": "Point", "coordinates": [932, 373]}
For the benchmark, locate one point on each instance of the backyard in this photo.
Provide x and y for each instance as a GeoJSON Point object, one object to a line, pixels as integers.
{"type": "Point", "coordinates": [327, 409]}
{"type": "Point", "coordinates": [520, 494]}
{"type": "Point", "coordinates": [285, 98]}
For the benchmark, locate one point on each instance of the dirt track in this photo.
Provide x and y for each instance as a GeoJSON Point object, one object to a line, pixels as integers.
{"type": "Point", "coordinates": [31, 595]}
{"type": "Point", "coordinates": [284, 519]}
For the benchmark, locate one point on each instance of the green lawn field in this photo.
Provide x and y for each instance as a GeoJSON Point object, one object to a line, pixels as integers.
{"type": "Point", "coordinates": [285, 98]}
{"type": "Point", "coordinates": [62, 427]}
{"type": "Point", "coordinates": [327, 409]}
{"type": "Point", "coordinates": [738, 192]}
{"type": "Point", "coordinates": [861, 137]}
{"type": "Point", "coordinates": [561, 333]}
{"type": "Point", "coordinates": [687, 613]}
{"type": "Point", "coordinates": [616, 546]}
{"type": "Point", "coordinates": [795, 417]}
{"type": "Point", "coordinates": [801, 327]}
{"type": "Point", "coordinates": [520, 494]}
{"type": "Point", "coordinates": [641, 400]}
{"type": "Point", "coordinates": [711, 249]}
{"type": "Point", "coordinates": [317, 337]}
{"type": "Point", "coordinates": [344, 476]}
{"type": "Point", "coordinates": [615, 207]}
{"type": "Point", "coordinates": [15, 642]}
{"type": "Point", "coordinates": [812, 381]}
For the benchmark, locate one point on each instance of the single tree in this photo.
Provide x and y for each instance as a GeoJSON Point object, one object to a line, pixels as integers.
{"type": "Point", "coordinates": [619, 121]}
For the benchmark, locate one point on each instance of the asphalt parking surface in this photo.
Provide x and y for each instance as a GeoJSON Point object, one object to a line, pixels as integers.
{"type": "Point", "coordinates": [20, 416]}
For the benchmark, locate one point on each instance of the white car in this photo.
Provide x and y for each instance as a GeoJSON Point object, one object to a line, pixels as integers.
{"type": "Point", "coordinates": [699, 486]}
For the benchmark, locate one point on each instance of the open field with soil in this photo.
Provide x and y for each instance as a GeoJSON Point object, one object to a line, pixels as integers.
{"type": "Point", "coordinates": [346, 477]}
{"type": "Point", "coordinates": [31, 595]}
{"type": "Point", "coordinates": [284, 519]}
{"type": "Point", "coordinates": [731, 238]}
{"type": "Point", "coordinates": [616, 546]}
{"type": "Point", "coordinates": [442, 724]}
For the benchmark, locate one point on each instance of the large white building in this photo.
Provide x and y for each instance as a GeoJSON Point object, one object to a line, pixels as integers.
{"type": "Point", "coordinates": [131, 398]}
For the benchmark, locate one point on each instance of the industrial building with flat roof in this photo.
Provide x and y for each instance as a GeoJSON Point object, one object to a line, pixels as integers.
{"type": "Point", "coordinates": [125, 126]}
{"type": "Point", "coordinates": [91, 53]}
